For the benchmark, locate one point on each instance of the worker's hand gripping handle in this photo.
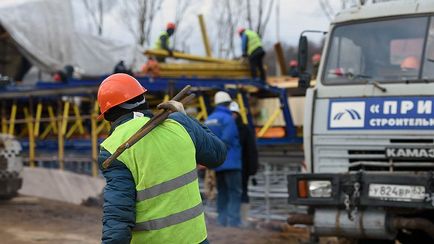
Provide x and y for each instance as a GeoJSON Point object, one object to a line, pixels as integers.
{"type": "Point", "coordinates": [151, 124]}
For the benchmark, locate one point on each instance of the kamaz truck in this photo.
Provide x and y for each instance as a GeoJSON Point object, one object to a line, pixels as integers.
{"type": "Point", "coordinates": [369, 127]}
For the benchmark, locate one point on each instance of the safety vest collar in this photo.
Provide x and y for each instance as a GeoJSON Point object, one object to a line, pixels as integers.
{"type": "Point", "coordinates": [127, 117]}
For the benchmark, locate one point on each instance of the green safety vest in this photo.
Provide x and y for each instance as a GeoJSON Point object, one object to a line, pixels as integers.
{"type": "Point", "coordinates": [254, 41]}
{"type": "Point", "coordinates": [158, 42]}
{"type": "Point", "coordinates": [163, 164]}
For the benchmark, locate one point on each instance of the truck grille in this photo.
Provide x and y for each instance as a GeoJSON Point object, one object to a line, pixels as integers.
{"type": "Point", "coordinates": [337, 154]}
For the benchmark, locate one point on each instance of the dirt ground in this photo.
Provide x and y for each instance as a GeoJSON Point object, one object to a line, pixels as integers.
{"type": "Point", "coordinates": [33, 220]}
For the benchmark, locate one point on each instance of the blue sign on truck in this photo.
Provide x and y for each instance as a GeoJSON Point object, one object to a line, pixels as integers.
{"type": "Point", "coordinates": [382, 113]}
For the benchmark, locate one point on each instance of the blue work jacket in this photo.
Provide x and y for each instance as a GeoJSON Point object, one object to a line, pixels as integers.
{"type": "Point", "coordinates": [223, 125]}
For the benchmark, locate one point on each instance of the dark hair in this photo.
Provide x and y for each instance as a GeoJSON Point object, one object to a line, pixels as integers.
{"type": "Point", "coordinates": [116, 112]}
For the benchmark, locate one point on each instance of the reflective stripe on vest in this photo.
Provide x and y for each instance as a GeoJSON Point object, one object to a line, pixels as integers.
{"type": "Point", "coordinates": [158, 42]}
{"type": "Point", "coordinates": [167, 186]}
{"type": "Point", "coordinates": [254, 41]}
{"type": "Point", "coordinates": [173, 219]}
{"type": "Point", "coordinates": [163, 165]}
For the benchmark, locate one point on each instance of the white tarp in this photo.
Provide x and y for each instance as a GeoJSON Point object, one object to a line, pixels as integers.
{"type": "Point", "coordinates": [44, 32]}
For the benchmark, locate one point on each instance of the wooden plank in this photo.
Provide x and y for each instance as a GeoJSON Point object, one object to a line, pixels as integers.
{"type": "Point", "coordinates": [186, 56]}
{"type": "Point", "coordinates": [280, 58]}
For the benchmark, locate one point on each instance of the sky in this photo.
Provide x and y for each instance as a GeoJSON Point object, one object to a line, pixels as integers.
{"type": "Point", "coordinates": [294, 17]}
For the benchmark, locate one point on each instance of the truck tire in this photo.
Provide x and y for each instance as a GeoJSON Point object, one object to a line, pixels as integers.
{"type": "Point", "coordinates": [419, 237]}
{"type": "Point", "coordinates": [8, 196]}
{"type": "Point", "coordinates": [364, 241]}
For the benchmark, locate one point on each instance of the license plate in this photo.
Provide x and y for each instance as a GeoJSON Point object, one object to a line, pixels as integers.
{"type": "Point", "coordinates": [403, 193]}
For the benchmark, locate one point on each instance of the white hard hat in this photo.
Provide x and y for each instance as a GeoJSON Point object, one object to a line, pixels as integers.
{"type": "Point", "coordinates": [222, 97]}
{"type": "Point", "coordinates": [234, 107]}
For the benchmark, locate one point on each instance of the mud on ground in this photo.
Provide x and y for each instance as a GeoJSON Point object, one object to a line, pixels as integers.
{"type": "Point", "coordinates": [26, 220]}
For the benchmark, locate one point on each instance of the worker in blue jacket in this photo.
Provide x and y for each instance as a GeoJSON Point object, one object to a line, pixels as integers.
{"type": "Point", "coordinates": [229, 174]}
{"type": "Point", "coordinates": [152, 191]}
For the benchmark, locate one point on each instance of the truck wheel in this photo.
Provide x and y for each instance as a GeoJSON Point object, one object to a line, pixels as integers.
{"type": "Point", "coordinates": [419, 237]}
{"type": "Point", "coordinates": [8, 197]}
{"type": "Point", "coordinates": [364, 241]}
{"type": "Point", "coordinates": [373, 241]}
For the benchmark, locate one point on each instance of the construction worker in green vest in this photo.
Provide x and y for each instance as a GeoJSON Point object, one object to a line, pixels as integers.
{"type": "Point", "coordinates": [251, 45]}
{"type": "Point", "coordinates": [163, 41]}
{"type": "Point", "coordinates": [152, 191]}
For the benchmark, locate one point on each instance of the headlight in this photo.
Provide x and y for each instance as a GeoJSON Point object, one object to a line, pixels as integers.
{"type": "Point", "coordinates": [320, 188]}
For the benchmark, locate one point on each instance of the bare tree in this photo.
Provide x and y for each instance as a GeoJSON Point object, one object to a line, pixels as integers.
{"type": "Point", "coordinates": [95, 8]}
{"type": "Point", "coordinates": [229, 16]}
{"type": "Point", "coordinates": [182, 7]}
{"type": "Point", "coordinates": [262, 11]}
{"type": "Point", "coordinates": [138, 17]}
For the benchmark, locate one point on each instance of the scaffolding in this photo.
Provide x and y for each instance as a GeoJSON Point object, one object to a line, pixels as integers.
{"type": "Point", "coordinates": [57, 122]}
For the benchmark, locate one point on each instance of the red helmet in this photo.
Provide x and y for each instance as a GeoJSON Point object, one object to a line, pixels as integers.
{"type": "Point", "coordinates": [241, 30]}
{"type": "Point", "coordinates": [410, 62]}
{"type": "Point", "coordinates": [117, 89]}
{"type": "Point", "coordinates": [316, 58]}
{"type": "Point", "coordinates": [293, 63]}
{"type": "Point", "coordinates": [170, 25]}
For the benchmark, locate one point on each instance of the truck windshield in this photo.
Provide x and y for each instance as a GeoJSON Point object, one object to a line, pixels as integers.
{"type": "Point", "coordinates": [384, 50]}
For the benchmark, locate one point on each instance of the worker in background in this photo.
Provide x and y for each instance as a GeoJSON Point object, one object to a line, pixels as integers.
{"type": "Point", "coordinates": [229, 174]}
{"type": "Point", "coordinates": [249, 158]}
{"type": "Point", "coordinates": [410, 63]}
{"type": "Point", "coordinates": [251, 45]}
{"type": "Point", "coordinates": [163, 42]}
{"type": "Point", "coordinates": [152, 191]}
{"type": "Point", "coordinates": [120, 67]}
{"type": "Point", "coordinates": [316, 58]}
{"type": "Point", "coordinates": [293, 68]}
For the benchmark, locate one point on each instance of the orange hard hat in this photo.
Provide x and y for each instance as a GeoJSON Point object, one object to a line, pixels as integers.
{"type": "Point", "coordinates": [241, 30]}
{"type": "Point", "coordinates": [293, 63]}
{"type": "Point", "coordinates": [170, 25]}
{"type": "Point", "coordinates": [410, 62]}
{"type": "Point", "coordinates": [316, 58]}
{"type": "Point", "coordinates": [117, 89]}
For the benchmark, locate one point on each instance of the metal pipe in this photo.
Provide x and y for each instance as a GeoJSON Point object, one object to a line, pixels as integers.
{"type": "Point", "coordinates": [186, 56]}
{"type": "Point", "coordinates": [204, 36]}
{"type": "Point", "coordinates": [60, 136]}
{"type": "Point", "coordinates": [414, 224]}
{"type": "Point", "coordinates": [38, 118]}
{"type": "Point", "coordinates": [12, 119]}
{"type": "Point", "coordinates": [243, 111]}
{"type": "Point", "coordinates": [304, 219]}
{"type": "Point", "coordinates": [269, 122]}
{"type": "Point", "coordinates": [53, 119]}
{"type": "Point", "coordinates": [31, 137]}
{"type": "Point", "coordinates": [65, 118]}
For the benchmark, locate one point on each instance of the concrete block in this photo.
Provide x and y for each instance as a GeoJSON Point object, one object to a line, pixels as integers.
{"type": "Point", "coordinates": [60, 185]}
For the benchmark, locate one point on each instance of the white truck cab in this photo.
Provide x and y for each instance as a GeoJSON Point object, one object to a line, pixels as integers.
{"type": "Point", "coordinates": [369, 127]}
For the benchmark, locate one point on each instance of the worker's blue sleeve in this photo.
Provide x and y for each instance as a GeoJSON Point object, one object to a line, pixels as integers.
{"type": "Point", "coordinates": [210, 150]}
{"type": "Point", "coordinates": [119, 202]}
{"type": "Point", "coordinates": [244, 42]}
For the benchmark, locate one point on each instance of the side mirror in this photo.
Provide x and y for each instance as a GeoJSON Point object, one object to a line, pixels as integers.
{"type": "Point", "coordinates": [302, 54]}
